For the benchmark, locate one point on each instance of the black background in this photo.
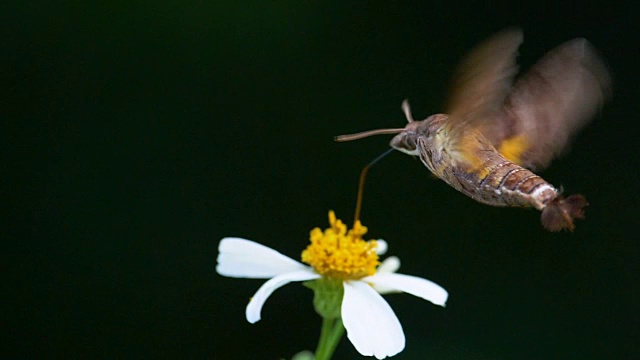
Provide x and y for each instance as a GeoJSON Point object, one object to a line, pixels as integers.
{"type": "Point", "coordinates": [137, 134]}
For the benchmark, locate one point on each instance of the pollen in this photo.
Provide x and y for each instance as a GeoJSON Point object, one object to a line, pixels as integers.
{"type": "Point", "coordinates": [341, 253]}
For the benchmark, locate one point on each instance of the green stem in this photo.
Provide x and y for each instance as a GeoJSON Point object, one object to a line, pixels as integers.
{"type": "Point", "coordinates": [324, 335]}
{"type": "Point", "coordinates": [330, 335]}
{"type": "Point", "coordinates": [334, 337]}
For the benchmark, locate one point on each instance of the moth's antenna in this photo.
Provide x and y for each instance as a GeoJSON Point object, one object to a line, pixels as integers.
{"type": "Point", "coordinates": [363, 175]}
{"type": "Point", "coordinates": [365, 134]}
{"type": "Point", "coordinates": [407, 113]}
{"type": "Point", "coordinates": [406, 109]}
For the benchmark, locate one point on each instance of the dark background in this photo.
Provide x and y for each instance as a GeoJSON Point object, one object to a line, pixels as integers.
{"type": "Point", "coordinates": [137, 134]}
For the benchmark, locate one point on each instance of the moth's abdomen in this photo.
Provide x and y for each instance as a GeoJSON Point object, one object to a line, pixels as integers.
{"type": "Point", "coordinates": [507, 184]}
{"type": "Point", "coordinates": [521, 187]}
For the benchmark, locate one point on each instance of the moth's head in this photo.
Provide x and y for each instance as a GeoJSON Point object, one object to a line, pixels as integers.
{"type": "Point", "coordinates": [406, 139]}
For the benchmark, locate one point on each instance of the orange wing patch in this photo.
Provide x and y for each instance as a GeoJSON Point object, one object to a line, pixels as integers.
{"type": "Point", "coordinates": [476, 165]}
{"type": "Point", "coordinates": [467, 151]}
{"type": "Point", "coordinates": [513, 148]}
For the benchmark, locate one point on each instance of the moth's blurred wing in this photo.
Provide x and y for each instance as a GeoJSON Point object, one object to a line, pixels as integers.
{"type": "Point", "coordinates": [549, 104]}
{"type": "Point", "coordinates": [478, 90]}
{"type": "Point", "coordinates": [483, 79]}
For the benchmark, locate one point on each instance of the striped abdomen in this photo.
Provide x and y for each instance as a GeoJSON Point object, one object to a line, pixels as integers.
{"type": "Point", "coordinates": [499, 182]}
{"type": "Point", "coordinates": [517, 186]}
{"type": "Point", "coordinates": [504, 183]}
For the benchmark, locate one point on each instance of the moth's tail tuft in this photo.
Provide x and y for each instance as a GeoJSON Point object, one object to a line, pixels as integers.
{"type": "Point", "coordinates": [560, 213]}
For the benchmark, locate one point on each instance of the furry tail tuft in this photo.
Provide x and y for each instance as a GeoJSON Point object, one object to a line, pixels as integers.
{"type": "Point", "coordinates": [560, 212]}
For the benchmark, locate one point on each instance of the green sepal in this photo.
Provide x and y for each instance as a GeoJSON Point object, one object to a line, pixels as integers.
{"type": "Point", "coordinates": [327, 296]}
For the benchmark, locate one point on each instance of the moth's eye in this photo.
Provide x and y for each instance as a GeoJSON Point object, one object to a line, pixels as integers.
{"type": "Point", "coordinates": [410, 142]}
{"type": "Point", "coordinates": [404, 142]}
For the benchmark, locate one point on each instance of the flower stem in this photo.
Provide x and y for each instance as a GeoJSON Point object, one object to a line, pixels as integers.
{"type": "Point", "coordinates": [330, 335]}
{"type": "Point", "coordinates": [335, 336]}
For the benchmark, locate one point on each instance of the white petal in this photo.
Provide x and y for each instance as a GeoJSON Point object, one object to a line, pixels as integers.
{"type": "Point", "coordinates": [255, 304]}
{"type": "Point", "coordinates": [390, 265]}
{"type": "Point", "coordinates": [413, 285]}
{"type": "Point", "coordinates": [247, 259]}
{"type": "Point", "coordinates": [382, 247]}
{"type": "Point", "coordinates": [371, 325]}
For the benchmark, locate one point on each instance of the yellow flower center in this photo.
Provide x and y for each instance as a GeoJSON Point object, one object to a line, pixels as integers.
{"type": "Point", "coordinates": [338, 253]}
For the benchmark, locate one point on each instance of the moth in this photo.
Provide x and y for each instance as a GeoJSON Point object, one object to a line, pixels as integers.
{"type": "Point", "coordinates": [497, 131]}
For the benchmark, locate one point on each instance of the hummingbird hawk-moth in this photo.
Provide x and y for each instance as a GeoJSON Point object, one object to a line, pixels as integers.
{"type": "Point", "coordinates": [497, 131]}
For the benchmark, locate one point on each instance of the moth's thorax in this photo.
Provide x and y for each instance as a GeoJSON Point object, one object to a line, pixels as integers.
{"type": "Point", "coordinates": [407, 140]}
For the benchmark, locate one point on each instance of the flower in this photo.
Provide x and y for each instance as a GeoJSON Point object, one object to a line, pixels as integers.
{"type": "Point", "coordinates": [337, 256]}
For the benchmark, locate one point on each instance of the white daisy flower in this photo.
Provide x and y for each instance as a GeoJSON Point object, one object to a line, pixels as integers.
{"type": "Point", "coordinates": [336, 256]}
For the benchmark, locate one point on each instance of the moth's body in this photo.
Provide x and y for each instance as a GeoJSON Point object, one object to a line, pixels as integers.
{"type": "Point", "coordinates": [497, 131]}
{"type": "Point", "coordinates": [497, 181]}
